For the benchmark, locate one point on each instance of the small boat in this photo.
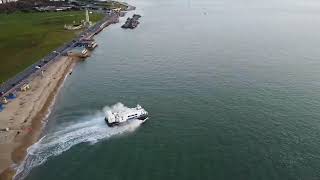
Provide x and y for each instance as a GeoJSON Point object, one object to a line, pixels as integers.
{"type": "Point", "coordinates": [118, 118]}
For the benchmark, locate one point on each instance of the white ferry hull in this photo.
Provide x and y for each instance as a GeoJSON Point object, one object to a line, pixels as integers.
{"type": "Point", "coordinates": [142, 118]}
{"type": "Point", "coordinates": [117, 118]}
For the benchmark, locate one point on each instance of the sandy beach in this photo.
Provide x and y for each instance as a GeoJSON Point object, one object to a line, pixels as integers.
{"type": "Point", "coordinates": [24, 115]}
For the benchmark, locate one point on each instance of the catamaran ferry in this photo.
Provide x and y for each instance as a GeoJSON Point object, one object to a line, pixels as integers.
{"type": "Point", "coordinates": [117, 118]}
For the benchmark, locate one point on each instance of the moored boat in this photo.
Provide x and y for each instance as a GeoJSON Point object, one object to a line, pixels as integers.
{"type": "Point", "coordinates": [132, 23]}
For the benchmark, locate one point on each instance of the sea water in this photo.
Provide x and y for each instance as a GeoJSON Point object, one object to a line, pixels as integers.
{"type": "Point", "coordinates": [231, 87]}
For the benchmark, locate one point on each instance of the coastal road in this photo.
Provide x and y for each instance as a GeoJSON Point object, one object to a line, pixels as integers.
{"type": "Point", "coordinates": [15, 82]}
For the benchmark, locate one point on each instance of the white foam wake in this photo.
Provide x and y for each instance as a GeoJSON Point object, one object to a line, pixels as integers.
{"type": "Point", "coordinates": [91, 129]}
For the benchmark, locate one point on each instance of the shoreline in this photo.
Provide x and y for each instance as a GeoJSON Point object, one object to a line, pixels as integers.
{"type": "Point", "coordinates": [28, 130]}
{"type": "Point", "coordinates": [38, 123]}
{"type": "Point", "coordinates": [26, 126]}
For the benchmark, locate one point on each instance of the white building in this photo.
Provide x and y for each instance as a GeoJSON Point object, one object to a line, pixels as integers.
{"type": "Point", "coordinates": [6, 1]}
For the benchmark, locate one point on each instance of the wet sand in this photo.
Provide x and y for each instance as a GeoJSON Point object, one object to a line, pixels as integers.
{"type": "Point", "coordinates": [25, 115]}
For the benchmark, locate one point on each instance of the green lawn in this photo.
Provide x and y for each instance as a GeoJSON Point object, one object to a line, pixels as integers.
{"type": "Point", "coordinates": [27, 37]}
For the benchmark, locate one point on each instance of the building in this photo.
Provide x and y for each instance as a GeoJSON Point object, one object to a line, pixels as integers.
{"type": "Point", "coordinates": [78, 51]}
{"type": "Point", "coordinates": [7, 1]}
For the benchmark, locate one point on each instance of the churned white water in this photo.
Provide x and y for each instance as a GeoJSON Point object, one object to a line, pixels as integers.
{"type": "Point", "coordinates": [90, 130]}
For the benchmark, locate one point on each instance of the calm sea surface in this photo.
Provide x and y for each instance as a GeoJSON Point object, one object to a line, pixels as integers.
{"type": "Point", "coordinates": [232, 87]}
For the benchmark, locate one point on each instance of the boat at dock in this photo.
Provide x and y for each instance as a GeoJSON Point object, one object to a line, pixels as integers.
{"type": "Point", "coordinates": [78, 51]}
{"type": "Point", "coordinates": [92, 45]}
{"type": "Point", "coordinates": [88, 43]}
{"type": "Point", "coordinates": [132, 23]}
{"type": "Point", "coordinates": [118, 118]}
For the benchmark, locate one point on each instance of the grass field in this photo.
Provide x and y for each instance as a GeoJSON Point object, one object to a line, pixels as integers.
{"type": "Point", "coordinates": [27, 37]}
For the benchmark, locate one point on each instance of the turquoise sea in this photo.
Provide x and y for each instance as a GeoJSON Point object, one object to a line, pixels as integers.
{"type": "Point", "coordinates": [232, 89]}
